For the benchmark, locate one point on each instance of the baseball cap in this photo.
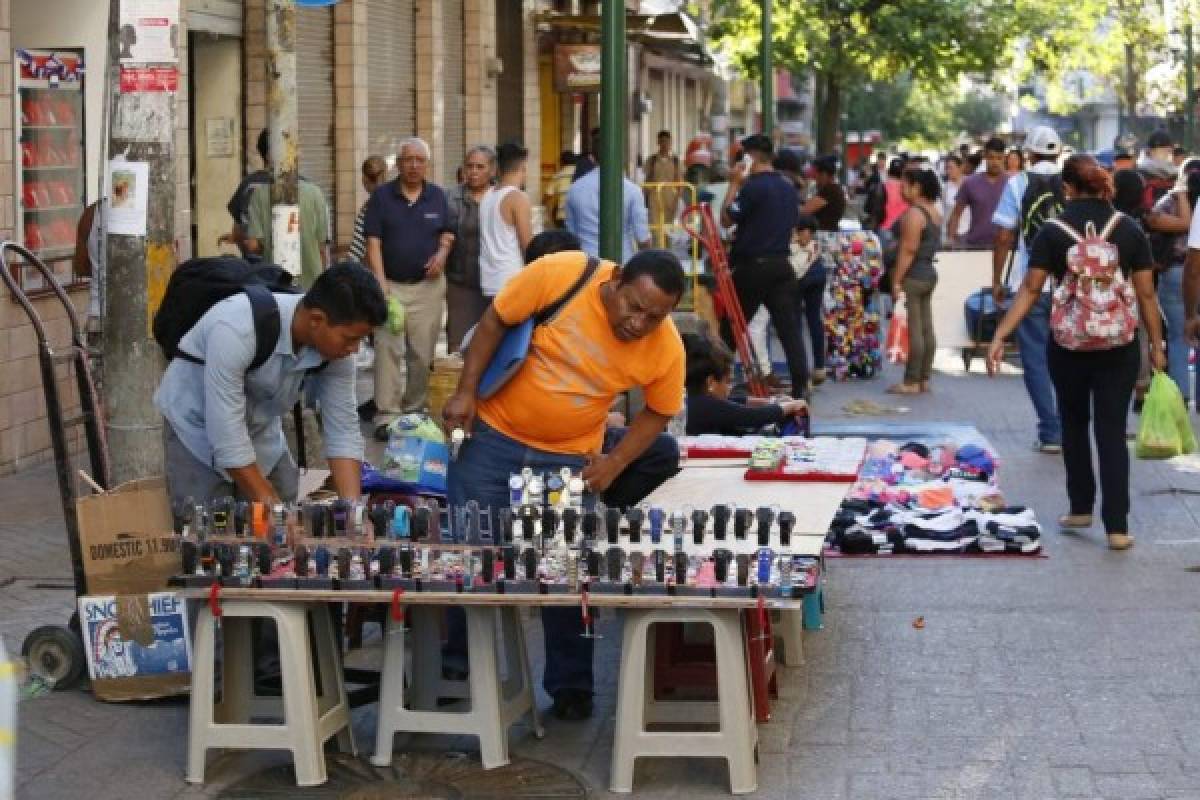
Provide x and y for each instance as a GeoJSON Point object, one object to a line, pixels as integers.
{"type": "Point", "coordinates": [1043, 141]}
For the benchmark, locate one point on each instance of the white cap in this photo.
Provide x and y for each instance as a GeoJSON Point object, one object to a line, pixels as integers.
{"type": "Point", "coordinates": [1044, 141]}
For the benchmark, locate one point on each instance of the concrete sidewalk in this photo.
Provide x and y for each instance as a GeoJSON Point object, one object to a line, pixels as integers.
{"type": "Point", "coordinates": [1072, 676]}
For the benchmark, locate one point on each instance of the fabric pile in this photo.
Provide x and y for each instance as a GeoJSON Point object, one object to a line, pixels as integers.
{"type": "Point", "coordinates": [914, 498]}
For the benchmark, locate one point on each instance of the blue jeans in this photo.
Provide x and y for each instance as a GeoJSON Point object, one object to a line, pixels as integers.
{"type": "Point", "coordinates": [481, 471]}
{"type": "Point", "coordinates": [1033, 334]}
{"type": "Point", "coordinates": [810, 310]}
{"type": "Point", "coordinates": [1170, 297]}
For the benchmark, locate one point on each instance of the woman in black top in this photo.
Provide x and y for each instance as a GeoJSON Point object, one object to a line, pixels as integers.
{"type": "Point", "coordinates": [1097, 384]}
{"type": "Point", "coordinates": [709, 409]}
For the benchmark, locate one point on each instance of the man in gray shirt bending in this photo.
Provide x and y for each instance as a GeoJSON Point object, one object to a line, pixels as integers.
{"type": "Point", "coordinates": [224, 432]}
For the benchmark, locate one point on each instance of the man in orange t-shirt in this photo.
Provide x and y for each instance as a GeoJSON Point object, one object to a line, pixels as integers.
{"type": "Point", "coordinates": [614, 335]}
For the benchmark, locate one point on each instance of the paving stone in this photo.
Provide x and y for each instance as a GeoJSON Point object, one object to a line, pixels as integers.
{"type": "Point", "coordinates": [1073, 781]}
{"type": "Point", "coordinates": [1128, 787]}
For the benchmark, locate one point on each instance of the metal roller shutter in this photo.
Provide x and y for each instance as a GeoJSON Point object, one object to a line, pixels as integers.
{"type": "Point", "coordinates": [314, 96]}
{"type": "Point", "coordinates": [453, 146]}
{"type": "Point", "coordinates": [392, 91]}
{"type": "Point", "coordinates": [510, 86]}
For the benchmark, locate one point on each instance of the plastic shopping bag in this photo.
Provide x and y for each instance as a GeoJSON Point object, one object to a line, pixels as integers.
{"type": "Point", "coordinates": [897, 337]}
{"type": "Point", "coordinates": [1163, 422]}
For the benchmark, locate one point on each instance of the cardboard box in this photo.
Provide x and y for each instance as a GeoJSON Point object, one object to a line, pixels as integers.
{"type": "Point", "coordinates": [136, 644]}
{"type": "Point", "coordinates": [129, 552]}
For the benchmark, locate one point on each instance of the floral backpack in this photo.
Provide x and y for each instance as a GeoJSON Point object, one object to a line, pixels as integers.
{"type": "Point", "coordinates": [1093, 307]}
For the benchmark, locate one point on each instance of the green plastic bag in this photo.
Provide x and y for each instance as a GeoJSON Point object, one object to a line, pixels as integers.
{"type": "Point", "coordinates": [1164, 430]}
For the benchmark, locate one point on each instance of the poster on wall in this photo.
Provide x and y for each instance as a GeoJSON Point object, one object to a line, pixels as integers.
{"type": "Point", "coordinates": [577, 68]}
{"type": "Point", "coordinates": [129, 193]}
{"type": "Point", "coordinates": [149, 31]}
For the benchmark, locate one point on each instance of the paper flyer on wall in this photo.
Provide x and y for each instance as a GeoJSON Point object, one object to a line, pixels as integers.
{"type": "Point", "coordinates": [135, 635]}
{"type": "Point", "coordinates": [129, 193]}
{"type": "Point", "coordinates": [149, 31]}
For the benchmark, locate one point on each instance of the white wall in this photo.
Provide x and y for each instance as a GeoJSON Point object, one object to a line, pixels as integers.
{"type": "Point", "coordinates": [42, 24]}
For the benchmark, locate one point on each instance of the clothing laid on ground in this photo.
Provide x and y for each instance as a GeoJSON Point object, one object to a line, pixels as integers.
{"type": "Point", "coordinates": [980, 195]}
{"type": "Point", "coordinates": [228, 417]}
{"type": "Point", "coordinates": [1094, 387]}
{"type": "Point", "coordinates": [829, 217]}
{"type": "Point", "coordinates": [408, 231]}
{"type": "Point", "coordinates": [314, 227]}
{"type": "Point", "coordinates": [500, 255]}
{"type": "Point", "coordinates": [709, 414]}
{"type": "Point", "coordinates": [862, 528]}
{"type": "Point", "coordinates": [558, 400]}
{"type": "Point", "coordinates": [583, 215]}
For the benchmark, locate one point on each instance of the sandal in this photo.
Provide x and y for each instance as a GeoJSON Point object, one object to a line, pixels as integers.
{"type": "Point", "coordinates": [1070, 522]}
{"type": "Point", "coordinates": [1120, 541]}
{"type": "Point", "coordinates": [904, 388]}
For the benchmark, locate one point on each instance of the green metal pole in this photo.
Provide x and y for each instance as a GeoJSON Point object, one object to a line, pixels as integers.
{"type": "Point", "coordinates": [768, 72]}
{"type": "Point", "coordinates": [1190, 84]}
{"type": "Point", "coordinates": [612, 127]}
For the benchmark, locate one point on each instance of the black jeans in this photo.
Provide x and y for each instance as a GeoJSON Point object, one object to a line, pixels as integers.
{"type": "Point", "coordinates": [1096, 387]}
{"type": "Point", "coordinates": [810, 304]}
{"type": "Point", "coordinates": [770, 281]}
{"type": "Point", "coordinates": [647, 472]}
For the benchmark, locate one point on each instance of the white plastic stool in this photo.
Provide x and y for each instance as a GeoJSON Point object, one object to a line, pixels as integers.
{"type": "Point", "coordinates": [736, 737]}
{"type": "Point", "coordinates": [309, 719]}
{"type": "Point", "coordinates": [789, 629]}
{"type": "Point", "coordinates": [495, 702]}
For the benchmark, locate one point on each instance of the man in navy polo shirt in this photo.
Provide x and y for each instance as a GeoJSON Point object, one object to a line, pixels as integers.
{"type": "Point", "coordinates": [409, 238]}
{"type": "Point", "coordinates": [766, 209]}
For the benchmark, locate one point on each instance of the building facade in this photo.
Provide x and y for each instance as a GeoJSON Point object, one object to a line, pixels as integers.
{"type": "Point", "coordinates": [370, 73]}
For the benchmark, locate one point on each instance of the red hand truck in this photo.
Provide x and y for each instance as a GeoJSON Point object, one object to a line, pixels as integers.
{"type": "Point", "coordinates": [698, 221]}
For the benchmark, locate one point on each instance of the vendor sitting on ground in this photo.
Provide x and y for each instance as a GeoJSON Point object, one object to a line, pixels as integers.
{"type": "Point", "coordinates": [709, 409]}
{"type": "Point", "coordinates": [615, 334]}
{"type": "Point", "coordinates": [224, 434]}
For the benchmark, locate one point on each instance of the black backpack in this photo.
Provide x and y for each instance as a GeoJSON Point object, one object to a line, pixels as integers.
{"type": "Point", "coordinates": [1043, 201]}
{"type": "Point", "coordinates": [199, 284]}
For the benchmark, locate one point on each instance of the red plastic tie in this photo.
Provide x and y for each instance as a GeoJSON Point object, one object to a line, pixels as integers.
{"type": "Point", "coordinates": [397, 609]}
{"type": "Point", "coordinates": [214, 599]}
{"type": "Point", "coordinates": [762, 614]}
{"type": "Point", "coordinates": [583, 607]}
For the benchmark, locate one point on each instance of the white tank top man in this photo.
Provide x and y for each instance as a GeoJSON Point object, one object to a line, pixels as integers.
{"type": "Point", "coordinates": [505, 221]}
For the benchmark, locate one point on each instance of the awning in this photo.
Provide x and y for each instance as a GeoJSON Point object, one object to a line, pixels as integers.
{"type": "Point", "coordinates": [676, 26]}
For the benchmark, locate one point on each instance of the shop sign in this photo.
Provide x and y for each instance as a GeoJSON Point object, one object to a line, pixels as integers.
{"type": "Point", "coordinates": [577, 68]}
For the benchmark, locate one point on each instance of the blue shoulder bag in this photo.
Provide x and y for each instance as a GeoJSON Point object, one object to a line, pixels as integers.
{"type": "Point", "coordinates": [514, 347]}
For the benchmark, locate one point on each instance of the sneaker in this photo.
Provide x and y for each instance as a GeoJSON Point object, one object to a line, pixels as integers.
{"type": "Point", "coordinates": [818, 377]}
{"type": "Point", "coordinates": [1120, 541]}
{"type": "Point", "coordinates": [572, 705]}
{"type": "Point", "coordinates": [1048, 448]}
